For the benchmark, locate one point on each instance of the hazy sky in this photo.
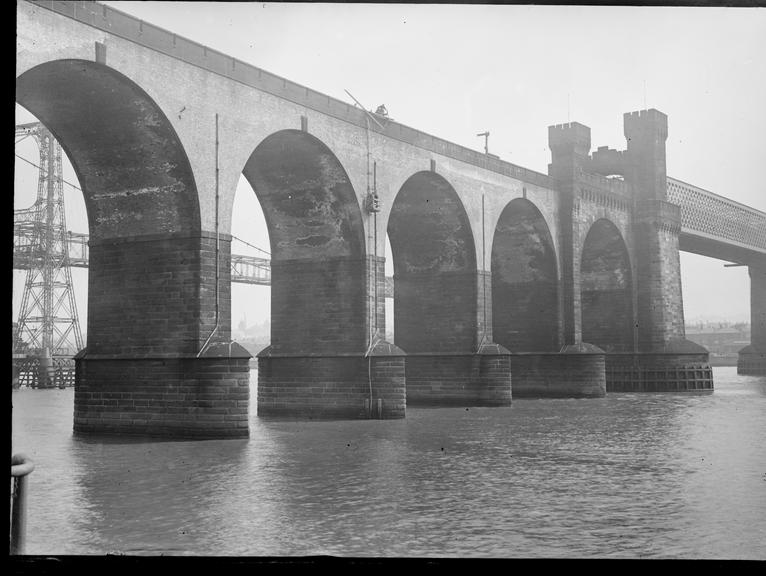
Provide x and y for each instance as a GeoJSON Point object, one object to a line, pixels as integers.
{"type": "Point", "coordinates": [458, 70]}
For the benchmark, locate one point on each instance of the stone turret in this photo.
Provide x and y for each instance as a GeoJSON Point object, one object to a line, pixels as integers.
{"type": "Point", "coordinates": [570, 149]}
{"type": "Point", "coordinates": [646, 132]}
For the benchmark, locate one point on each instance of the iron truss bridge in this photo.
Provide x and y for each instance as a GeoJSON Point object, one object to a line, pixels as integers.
{"type": "Point", "coordinates": [715, 226]}
{"type": "Point", "coordinates": [244, 269]}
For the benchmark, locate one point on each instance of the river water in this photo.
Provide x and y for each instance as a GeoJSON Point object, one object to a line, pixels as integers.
{"type": "Point", "coordinates": [627, 476]}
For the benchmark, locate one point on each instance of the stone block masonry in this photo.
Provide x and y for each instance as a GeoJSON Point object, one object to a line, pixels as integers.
{"type": "Point", "coordinates": [573, 374]}
{"type": "Point", "coordinates": [318, 306]}
{"type": "Point", "coordinates": [482, 379]}
{"type": "Point", "coordinates": [752, 358]}
{"type": "Point", "coordinates": [333, 387]}
{"type": "Point", "coordinates": [146, 124]}
{"type": "Point", "coordinates": [169, 397]}
{"type": "Point", "coordinates": [155, 296]}
{"type": "Point", "coordinates": [153, 306]}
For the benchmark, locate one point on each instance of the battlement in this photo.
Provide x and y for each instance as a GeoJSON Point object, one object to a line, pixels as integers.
{"type": "Point", "coordinates": [608, 161]}
{"type": "Point", "coordinates": [601, 183]}
{"type": "Point", "coordinates": [568, 138]}
{"type": "Point", "coordinates": [646, 126]}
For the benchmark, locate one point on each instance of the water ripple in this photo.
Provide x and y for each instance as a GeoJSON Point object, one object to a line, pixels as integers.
{"type": "Point", "coordinates": [626, 476]}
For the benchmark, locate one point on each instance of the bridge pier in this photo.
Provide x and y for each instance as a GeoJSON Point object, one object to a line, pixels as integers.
{"type": "Point", "coordinates": [342, 387]}
{"type": "Point", "coordinates": [180, 397]}
{"type": "Point", "coordinates": [665, 360]}
{"type": "Point", "coordinates": [317, 366]}
{"type": "Point", "coordinates": [152, 304]}
{"type": "Point", "coordinates": [658, 372]}
{"type": "Point", "coordinates": [752, 358]}
{"type": "Point", "coordinates": [575, 372]}
{"type": "Point", "coordinates": [445, 366]}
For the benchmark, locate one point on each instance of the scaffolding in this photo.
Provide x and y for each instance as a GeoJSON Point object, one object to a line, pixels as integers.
{"type": "Point", "coordinates": [47, 335]}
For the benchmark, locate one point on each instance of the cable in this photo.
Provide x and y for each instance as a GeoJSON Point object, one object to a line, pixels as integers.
{"type": "Point", "coordinates": [45, 171]}
{"type": "Point", "coordinates": [251, 245]}
{"type": "Point", "coordinates": [80, 189]}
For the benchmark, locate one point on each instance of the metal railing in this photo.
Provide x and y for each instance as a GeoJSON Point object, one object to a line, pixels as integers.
{"type": "Point", "coordinates": [719, 217]}
{"type": "Point", "coordinates": [21, 467]}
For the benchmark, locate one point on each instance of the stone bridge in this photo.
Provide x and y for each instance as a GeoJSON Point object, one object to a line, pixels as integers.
{"type": "Point", "coordinates": [564, 284]}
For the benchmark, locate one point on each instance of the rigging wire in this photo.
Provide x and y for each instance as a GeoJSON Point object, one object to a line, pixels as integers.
{"type": "Point", "coordinates": [80, 189]}
{"type": "Point", "coordinates": [45, 171]}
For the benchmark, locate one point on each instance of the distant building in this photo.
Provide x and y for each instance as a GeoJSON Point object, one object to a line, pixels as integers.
{"type": "Point", "coordinates": [720, 339]}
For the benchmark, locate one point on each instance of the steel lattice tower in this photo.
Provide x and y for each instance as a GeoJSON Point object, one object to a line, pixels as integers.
{"type": "Point", "coordinates": [48, 321]}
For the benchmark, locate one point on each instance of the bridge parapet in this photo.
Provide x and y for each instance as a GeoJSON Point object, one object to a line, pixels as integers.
{"type": "Point", "coordinates": [135, 30]}
{"type": "Point", "coordinates": [718, 217]}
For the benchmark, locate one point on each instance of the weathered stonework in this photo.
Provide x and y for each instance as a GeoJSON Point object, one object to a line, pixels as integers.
{"type": "Point", "coordinates": [576, 273]}
{"type": "Point", "coordinates": [752, 359]}
{"type": "Point", "coordinates": [172, 397]}
{"type": "Point", "coordinates": [575, 372]}
{"type": "Point", "coordinates": [351, 386]}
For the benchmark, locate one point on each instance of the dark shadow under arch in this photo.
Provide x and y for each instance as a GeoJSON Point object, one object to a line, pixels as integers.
{"type": "Point", "coordinates": [145, 256]}
{"type": "Point", "coordinates": [606, 289]}
{"type": "Point", "coordinates": [316, 233]}
{"type": "Point", "coordinates": [435, 277]}
{"type": "Point", "coordinates": [133, 170]}
{"type": "Point", "coordinates": [525, 297]}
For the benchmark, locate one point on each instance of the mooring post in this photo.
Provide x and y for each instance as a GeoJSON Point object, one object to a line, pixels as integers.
{"type": "Point", "coordinates": [21, 467]}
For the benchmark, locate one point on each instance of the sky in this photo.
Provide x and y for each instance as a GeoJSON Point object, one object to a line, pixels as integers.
{"type": "Point", "coordinates": [457, 70]}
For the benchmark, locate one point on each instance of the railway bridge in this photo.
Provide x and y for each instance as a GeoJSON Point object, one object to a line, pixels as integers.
{"type": "Point", "coordinates": [507, 282]}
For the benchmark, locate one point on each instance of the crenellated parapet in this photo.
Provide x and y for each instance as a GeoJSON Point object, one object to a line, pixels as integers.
{"type": "Point", "coordinates": [608, 161]}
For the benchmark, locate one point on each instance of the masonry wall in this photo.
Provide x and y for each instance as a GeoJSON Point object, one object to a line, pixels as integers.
{"type": "Point", "coordinates": [180, 397]}
{"type": "Point", "coordinates": [155, 295]}
{"type": "Point", "coordinates": [558, 375]}
{"type": "Point", "coordinates": [435, 312]}
{"type": "Point", "coordinates": [758, 306]}
{"type": "Point", "coordinates": [658, 280]}
{"type": "Point", "coordinates": [318, 306]}
{"type": "Point", "coordinates": [525, 315]}
{"type": "Point", "coordinates": [459, 379]}
{"type": "Point", "coordinates": [607, 319]}
{"type": "Point", "coordinates": [341, 387]}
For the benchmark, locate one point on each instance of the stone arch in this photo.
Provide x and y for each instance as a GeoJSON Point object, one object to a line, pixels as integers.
{"type": "Point", "coordinates": [435, 278]}
{"type": "Point", "coordinates": [606, 289]}
{"type": "Point", "coordinates": [133, 169]}
{"type": "Point", "coordinates": [525, 292]}
{"type": "Point", "coordinates": [142, 204]}
{"type": "Point", "coordinates": [317, 243]}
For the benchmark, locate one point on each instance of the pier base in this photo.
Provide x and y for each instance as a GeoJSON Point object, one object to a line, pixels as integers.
{"type": "Point", "coordinates": [752, 361]}
{"type": "Point", "coordinates": [343, 387]}
{"type": "Point", "coordinates": [181, 397]}
{"type": "Point", "coordinates": [670, 371]}
{"type": "Point", "coordinates": [481, 379]}
{"type": "Point", "coordinates": [575, 372]}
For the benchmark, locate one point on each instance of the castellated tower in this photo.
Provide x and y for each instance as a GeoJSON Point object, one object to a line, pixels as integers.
{"type": "Point", "coordinates": [657, 224]}
{"type": "Point", "coordinates": [620, 269]}
{"type": "Point", "coordinates": [570, 149]}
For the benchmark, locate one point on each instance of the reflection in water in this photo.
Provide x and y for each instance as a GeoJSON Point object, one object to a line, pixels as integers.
{"type": "Point", "coordinates": [629, 475]}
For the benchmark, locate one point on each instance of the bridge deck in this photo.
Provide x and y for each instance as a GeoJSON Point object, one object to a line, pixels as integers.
{"type": "Point", "coordinates": [150, 36]}
{"type": "Point", "coordinates": [716, 226]}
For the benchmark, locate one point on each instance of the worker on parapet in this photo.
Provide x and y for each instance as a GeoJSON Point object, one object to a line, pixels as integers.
{"type": "Point", "coordinates": [381, 111]}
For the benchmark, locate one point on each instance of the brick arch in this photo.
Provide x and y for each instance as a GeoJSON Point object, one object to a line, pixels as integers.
{"type": "Point", "coordinates": [606, 289]}
{"type": "Point", "coordinates": [145, 256]}
{"type": "Point", "coordinates": [525, 291]}
{"type": "Point", "coordinates": [133, 170]}
{"type": "Point", "coordinates": [435, 286]}
{"type": "Point", "coordinates": [317, 243]}
{"type": "Point", "coordinates": [308, 201]}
